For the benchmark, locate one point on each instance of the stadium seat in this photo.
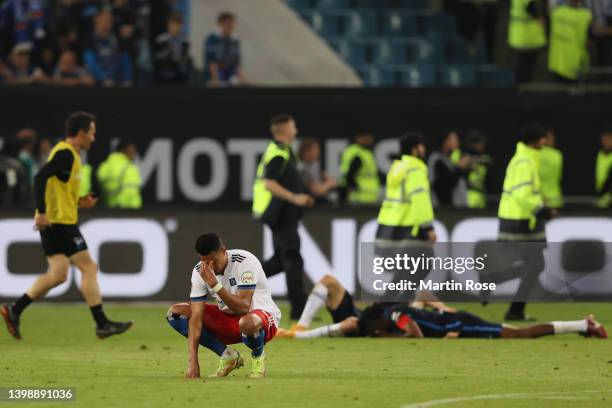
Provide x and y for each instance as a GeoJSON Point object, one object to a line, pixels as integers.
{"type": "Point", "coordinates": [438, 24]}
{"type": "Point", "coordinates": [398, 24]}
{"type": "Point", "coordinates": [461, 51]}
{"type": "Point", "coordinates": [413, 51]}
{"type": "Point", "coordinates": [457, 76]}
{"type": "Point", "coordinates": [342, 4]}
{"type": "Point", "coordinates": [492, 76]}
{"type": "Point", "coordinates": [364, 51]}
{"type": "Point", "coordinates": [345, 23]}
{"type": "Point", "coordinates": [371, 75]}
{"type": "Point", "coordinates": [413, 76]}
{"type": "Point", "coordinates": [412, 5]}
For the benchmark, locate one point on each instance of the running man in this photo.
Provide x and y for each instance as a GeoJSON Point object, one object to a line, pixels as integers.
{"type": "Point", "coordinates": [56, 191]}
{"type": "Point", "coordinates": [244, 310]}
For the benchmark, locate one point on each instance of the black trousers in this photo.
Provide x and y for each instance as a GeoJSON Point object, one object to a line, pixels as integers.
{"type": "Point", "coordinates": [287, 257]}
{"type": "Point", "coordinates": [533, 258]}
{"type": "Point", "coordinates": [526, 62]}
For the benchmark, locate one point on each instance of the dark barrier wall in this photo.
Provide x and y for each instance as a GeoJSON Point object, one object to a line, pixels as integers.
{"type": "Point", "coordinates": [149, 255]}
{"type": "Point", "coordinates": [201, 145]}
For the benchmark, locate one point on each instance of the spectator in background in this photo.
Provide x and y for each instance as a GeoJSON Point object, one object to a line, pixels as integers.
{"type": "Point", "coordinates": [568, 55]}
{"type": "Point", "coordinates": [69, 73]}
{"type": "Point", "coordinates": [124, 19]}
{"type": "Point", "coordinates": [14, 186]}
{"type": "Point", "coordinates": [19, 69]}
{"type": "Point", "coordinates": [103, 56]}
{"type": "Point", "coordinates": [602, 30]}
{"type": "Point", "coordinates": [222, 54]}
{"type": "Point", "coordinates": [318, 183]}
{"type": "Point", "coordinates": [44, 149]}
{"type": "Point", "coordinates": [24, 19]}
{"type": "Point", "coordinates": [27, 156]}
{"type": "Point", "coordinates": [448, 170]}
{"type": "Point", "coordinates": [172, 61]}
{"type": "Point", "coordinates": [526, 36]}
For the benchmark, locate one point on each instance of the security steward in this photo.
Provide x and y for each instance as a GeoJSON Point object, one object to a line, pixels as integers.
{"type": "Point", "coordinates": [405, 219]}
{"type": "Point", "coordinates": [119, 178]}
{"type": "Point", "coordinates": [526, 36]}
{"type": "Point", "coordinates": [522, 214]}
{"type": "Point", "coordinates": [568, 54]}
{"type": "Point", "coordinates": [56, 192]}
{"type": "Point", "coordinates": [360, 178]}
{"type": "Point", "coordinates": [603, 171]}
{"type": "Point", "coordinates": [551, 172]}
{"type": "Point", "coordinates": [278, 200]}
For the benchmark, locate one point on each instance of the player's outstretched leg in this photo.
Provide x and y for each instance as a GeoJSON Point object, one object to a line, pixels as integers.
{"type": "Point", "coordinates": [55, 275]}
{"type": "Point", "coordinates": [587, 327]}
{"type": "Point", "coordinates": [91, 292]}
{"type": "Point", "coordinates": [254, 336]}
{"type": "Point", "coordinates": [178, 317]}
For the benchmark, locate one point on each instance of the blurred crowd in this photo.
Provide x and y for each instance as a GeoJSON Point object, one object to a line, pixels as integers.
{"type": "Point", "coordinates": [110, 43]}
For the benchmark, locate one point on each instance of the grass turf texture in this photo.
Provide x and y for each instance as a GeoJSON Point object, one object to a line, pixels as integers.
{"type": "Point", "coordinates": [144, 368]}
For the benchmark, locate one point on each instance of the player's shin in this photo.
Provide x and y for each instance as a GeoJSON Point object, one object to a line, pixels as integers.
{"type": "Point", "coordinates": [255, 342]}
{"type": "Point", "coordinates": [331, 330]}
{"type": "Point", "coordinates": [316, 300]}
{"type": "Point", "coordinates": [180, 323]}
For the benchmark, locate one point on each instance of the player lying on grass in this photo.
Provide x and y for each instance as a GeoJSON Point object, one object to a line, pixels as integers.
{"type": "Point", "coordinates": [392, 320]}
{"type": "Point", "coordinates": [244, 310]}
{"type": "Point", "coordinates": [330, 292]}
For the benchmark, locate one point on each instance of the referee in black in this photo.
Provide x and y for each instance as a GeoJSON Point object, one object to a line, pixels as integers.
{"type": "Point", "coordinates": [278, 199]}
{"type": "Point", "coordinates": [56, 190]}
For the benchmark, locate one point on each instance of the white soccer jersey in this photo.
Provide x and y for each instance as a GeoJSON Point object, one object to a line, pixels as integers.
{"type": "Point", "coordinates": [243, 271]}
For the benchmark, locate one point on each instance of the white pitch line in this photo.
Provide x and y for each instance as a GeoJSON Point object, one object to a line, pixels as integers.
{"type": "Point", "coordinates": [538, 395]}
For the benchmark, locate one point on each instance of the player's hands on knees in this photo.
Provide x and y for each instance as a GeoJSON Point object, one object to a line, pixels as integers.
{"type": "Point", "coordinates": [41, 222]}
{"type": "Point", "coordinates": [193, 371]}
{"type": "Point", "coordinates": [89, 201]}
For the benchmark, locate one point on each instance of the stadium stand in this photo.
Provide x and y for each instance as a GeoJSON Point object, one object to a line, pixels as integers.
{"type": "Point", "coordinates": [401, 43]}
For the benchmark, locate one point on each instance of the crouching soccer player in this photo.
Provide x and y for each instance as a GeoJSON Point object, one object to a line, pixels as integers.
{"type": "Point", "coordinates": [245, 311]}
{"type": "Point", "coordinates": [379, 320]}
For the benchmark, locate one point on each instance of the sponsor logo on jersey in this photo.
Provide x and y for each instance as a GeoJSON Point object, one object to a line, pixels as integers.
{"type": "Point", "coordinates": [247, 278]}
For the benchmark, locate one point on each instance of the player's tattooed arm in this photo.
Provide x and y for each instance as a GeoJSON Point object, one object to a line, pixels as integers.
{"type": "Point", "coordinates": [195, 329]}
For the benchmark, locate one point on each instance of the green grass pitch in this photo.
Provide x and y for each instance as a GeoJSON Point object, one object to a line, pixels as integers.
{"type": "Point", "coordinates": [144, 368]}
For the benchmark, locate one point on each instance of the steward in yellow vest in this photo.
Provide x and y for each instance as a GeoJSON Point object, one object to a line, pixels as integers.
{"type": "Point", "coordinates": [603, 171]}
{"type": "Point", "coordinates": [359, 176]}
{"type": "Point", "coordinates": [551, 172]}
{"type": "Point", "coordinates": [526, 36]}
{"type": "Point", "coordinates": [568, 54]}
{"type": "Point", "coordinates": [119, 178]}
{"type": "Point", "coordinates": [522, 214]}
{"type": "Point", "coordinates": [475, 147]}
{"type": "Point", "coordinates": [278, 199]}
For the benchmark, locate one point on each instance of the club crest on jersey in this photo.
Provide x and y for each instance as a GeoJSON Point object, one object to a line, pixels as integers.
{"type": "Point", "coordinates": [247, 278]}
{"type": "Point", "coordinates": [232, 282]}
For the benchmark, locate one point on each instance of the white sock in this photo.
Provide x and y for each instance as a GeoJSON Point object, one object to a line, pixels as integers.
{"type": "Point", "coordinates": [331, 330]}
{"type": "Point", "coordinates": [576, 326]}
{"type": "Point", "coordinates": [316, 299]}
{"type": "Point", "coordinates": [228, 352]}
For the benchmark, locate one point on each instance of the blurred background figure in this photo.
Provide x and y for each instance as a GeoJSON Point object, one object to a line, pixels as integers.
{"type": "Point", "coordinates": [602, 31]}
{"type": "Point", "coordinates": [475, 148]}
{"type": "Point", "coordinates": [104, 59]}
{"type": "Point", "coordinates": [44, 149]}
{"type": "Point", "coordinates": [318, 183]}
{"type": "Point", "coordinates": [526, 36]}
{"type": "Point", "coordinates": [14, 183]}
{"type": "Point", "coordinates": [172, 61]}
{"type": "Point", "coordinates": [448, 170]}
{"type": "Point", "coordinates": [25, 22]}
{"type": "Point", "coordinates": [20, 69]}
{"type": "Point", "coordinates": [551, 171]}
{"type": "Point", "coordinates": [603, 170]}
{"type": "Point", "coordinates": [568, 54]}
{"type": "Point", "coordinates": [28, 139]}
{"type": "Point", "coordinates": [119, 178]}
{"type": "Point", "coordinates": [222, 54]}
{"type": "Point", "coordinates": [69, 73]}
{"type": "Point", "coordinates": [360, 178]}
